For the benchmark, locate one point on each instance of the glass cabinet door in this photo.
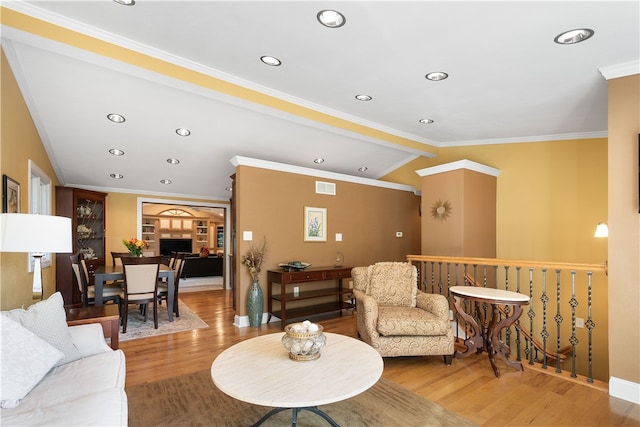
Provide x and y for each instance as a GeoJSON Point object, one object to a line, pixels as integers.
{"type": "Point", "coordinates": [90, 228]}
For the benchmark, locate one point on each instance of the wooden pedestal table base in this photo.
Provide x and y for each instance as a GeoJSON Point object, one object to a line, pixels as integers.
{"type": "Point", "coordinates": [259, 371]}
{"type": "Point", "coordinates": [487, 334]}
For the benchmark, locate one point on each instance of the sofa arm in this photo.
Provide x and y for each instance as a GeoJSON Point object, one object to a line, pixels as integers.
{"type": "Point", "coordinates": [89, 339]}
{"type": "Point", "coordinates": [434, 303]}
{"type": "Point", "coordinates": [367, 316]}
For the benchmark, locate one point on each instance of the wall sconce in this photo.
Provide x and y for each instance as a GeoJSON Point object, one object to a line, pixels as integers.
{"type": "Point", "coordinates": [35, 234]}
{"type": "Point", "coordinates": [602, 230]}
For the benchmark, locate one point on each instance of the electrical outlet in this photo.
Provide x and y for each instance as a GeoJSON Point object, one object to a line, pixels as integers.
{"type": "Point", "coordinates": [398, 233]}
{"type": "Point", "coordinates": [579, 322]}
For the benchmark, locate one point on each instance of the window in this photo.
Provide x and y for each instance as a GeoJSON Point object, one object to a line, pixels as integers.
{"type": "Point", "coordinates": [39, 202]}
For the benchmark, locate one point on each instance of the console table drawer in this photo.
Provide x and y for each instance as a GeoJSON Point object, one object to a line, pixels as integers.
{"type": "Point", "coordinates": [338, 273]}
{"type": "Point", "coordinates": [306, 276]}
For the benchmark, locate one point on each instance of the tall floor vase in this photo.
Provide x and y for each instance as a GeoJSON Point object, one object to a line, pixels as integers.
{"type": "Point", "coordinates": [255, 304]}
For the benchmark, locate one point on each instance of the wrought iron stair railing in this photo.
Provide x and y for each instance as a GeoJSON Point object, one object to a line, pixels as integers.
{"type": "Point", "coordinates": [543, 336]}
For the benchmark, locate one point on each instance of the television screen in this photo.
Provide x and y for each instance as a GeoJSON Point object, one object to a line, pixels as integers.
{"type": "Point", "coordinates": [174, 245]}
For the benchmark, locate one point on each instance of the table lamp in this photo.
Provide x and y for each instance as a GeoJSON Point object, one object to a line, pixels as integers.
{"type": "Point", "coordinates": [37, 234]}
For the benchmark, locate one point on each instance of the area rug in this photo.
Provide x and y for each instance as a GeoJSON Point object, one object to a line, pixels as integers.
{"type": "Point", "coordinates": [193, 400]}
{"type": "Point", "coordinates": [138, 328]}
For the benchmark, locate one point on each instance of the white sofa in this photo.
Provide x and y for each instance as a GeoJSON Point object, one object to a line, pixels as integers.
{"type": "Point", "coordinates": [88, 391]}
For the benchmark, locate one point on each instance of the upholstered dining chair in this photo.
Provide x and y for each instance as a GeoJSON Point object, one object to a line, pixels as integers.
{"type": "Point", "coordinates": [116, 257]}
{"type": "Point", "coordinates": [140, 286]}
{"type": "Point", "coordinates": [163, 288]}
{"type": "Point", "coordinates": [110, 292]}
{"type": "Point", "coordinates": [395, 317]}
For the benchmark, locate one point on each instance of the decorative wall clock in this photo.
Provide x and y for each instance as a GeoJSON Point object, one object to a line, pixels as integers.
{"type": "Point", "coordinates": [441, 210]}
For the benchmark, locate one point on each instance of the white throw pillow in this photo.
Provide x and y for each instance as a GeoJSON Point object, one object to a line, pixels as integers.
{"type": "Point", "coordinates": [48, 320]}
{"type": "Point", "coordinates": [24, 359]}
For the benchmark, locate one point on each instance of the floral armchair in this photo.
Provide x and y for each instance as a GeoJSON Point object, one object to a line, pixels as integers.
{"type": "Point", "coordinates": [397, 319]}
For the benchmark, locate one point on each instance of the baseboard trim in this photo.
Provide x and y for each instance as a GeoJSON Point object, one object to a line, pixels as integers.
{"type": "Point", "coordinates": [243, 321]}
{"type": "Point", "coordinates": [625, 390]}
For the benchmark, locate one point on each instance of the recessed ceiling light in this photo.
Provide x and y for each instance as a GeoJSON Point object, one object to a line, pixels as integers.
{"type": "Point", "coordinates": [116, 118]}
{"type": "Point", "coordinates": [331, 18]}
{"type": "Point", "coordinates": [116, 176]}
{"type": "Point", "coordinates": [165, 181]}
{"type": "Point", "coordinates": [318, 160]}
{"type": "Point", "coordinates": [270, 60]}
{"type": "Point", "coordinates": [116, 152]}
{"type": "Point", "coordinates": [126, 2]}
{"type": "Point", "coordinates": [426, 121]}
{"type": "Point", "coordinates": [173, 161]}
{"type": "Point", "coordinates": [363, 98]}
{"type": "Point", "coordinates": [436, 76]}
{"type": "Point", "coordinates": [574, 36]}
{"type": "Point", "coordinates": [183, 132]}
{"type": "Point", "coordinates": [362, 169]}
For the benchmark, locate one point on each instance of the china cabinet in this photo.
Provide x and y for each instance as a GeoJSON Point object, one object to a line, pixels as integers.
{"type": "Point", "coordinates": [87, 212]}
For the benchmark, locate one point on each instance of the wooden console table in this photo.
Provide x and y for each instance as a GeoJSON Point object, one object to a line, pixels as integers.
{"type": "Point", "coordinates": [287, 280]}
{"type": "Point", "coordinates": [106, 315]}
{"type": "Point", "coordinates": [487, 333]}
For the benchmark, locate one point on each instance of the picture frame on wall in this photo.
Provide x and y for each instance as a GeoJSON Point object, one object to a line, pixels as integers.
{"type": "Point", "coordinates": [10, 195]}
{"type": "Point", "coordinates": [315, 224]}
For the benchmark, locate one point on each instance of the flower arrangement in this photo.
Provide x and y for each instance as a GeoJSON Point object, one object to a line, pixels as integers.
{"type": "Point", "coordinates": [135, 246]}
{"type": "Point", "coordinates": [254, 258]}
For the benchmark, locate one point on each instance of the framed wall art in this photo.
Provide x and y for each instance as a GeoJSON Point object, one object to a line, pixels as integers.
{"type": "Point", "coordinates": [10, 195]}
{"type": "Point", "coordinates": [315, 224]}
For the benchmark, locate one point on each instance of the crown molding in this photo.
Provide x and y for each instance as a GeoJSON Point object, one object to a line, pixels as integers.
{"type": "Point", "coordinates": [460, 164]}
{"type": "Point", "coordinates": [620, 70]}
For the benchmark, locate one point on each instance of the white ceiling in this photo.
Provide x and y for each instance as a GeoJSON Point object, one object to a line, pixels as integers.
{"type": "Point", "coordinates": [509, 82]}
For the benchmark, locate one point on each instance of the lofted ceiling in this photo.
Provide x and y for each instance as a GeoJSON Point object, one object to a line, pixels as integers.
{"type": "Point", "coordinates": [165, 65]}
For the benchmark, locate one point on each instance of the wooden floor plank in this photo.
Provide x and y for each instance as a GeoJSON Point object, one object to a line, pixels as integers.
{"type": "Point", "coordinates": [467, 387]}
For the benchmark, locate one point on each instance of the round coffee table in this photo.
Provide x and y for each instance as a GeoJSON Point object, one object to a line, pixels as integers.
{"type": "Point", "coordinates": [259, 371]}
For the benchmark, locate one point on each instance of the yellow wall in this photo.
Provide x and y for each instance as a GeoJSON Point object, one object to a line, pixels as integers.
{"type": "Point", "coordinates": [624, 228]}
{"type": "Point", "coordinates": [271, 204]}
{"type": "Point", "coordinates": [19, 142]}
{"type": "Point", "coordinates": [550, 196]}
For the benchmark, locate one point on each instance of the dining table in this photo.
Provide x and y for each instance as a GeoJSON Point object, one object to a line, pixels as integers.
{"type": "Point", "coordinates": [106, 273]}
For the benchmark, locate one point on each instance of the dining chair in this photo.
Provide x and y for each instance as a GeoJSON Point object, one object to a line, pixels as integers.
{"type": "Point", "coordinates": [140, 286]}
{"type": "Point", "coordinates": [116, 257]}
{"type": "Point", "coordinates": [163, 287]}
{"type": "Point", "coordinates": [110, 292]}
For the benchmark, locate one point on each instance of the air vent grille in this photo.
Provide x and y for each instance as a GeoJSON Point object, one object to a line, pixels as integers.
{"type": "Point", "coordinates": [325, 188]}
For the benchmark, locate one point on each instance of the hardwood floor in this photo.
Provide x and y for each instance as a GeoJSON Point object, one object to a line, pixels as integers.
{"type": "Point", "coordinates": [467, 387]}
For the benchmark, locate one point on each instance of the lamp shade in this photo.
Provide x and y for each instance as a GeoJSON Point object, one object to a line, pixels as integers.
{"type": "Point", "coordinates": [35, 233]}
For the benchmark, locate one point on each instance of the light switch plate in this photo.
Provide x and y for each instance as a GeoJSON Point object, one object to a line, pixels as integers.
{"type": "Point", "coordinates": [338, 237]}
{"type": "Point", "coordinates": [247, 236]}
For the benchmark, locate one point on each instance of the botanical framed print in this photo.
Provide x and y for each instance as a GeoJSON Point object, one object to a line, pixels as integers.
{"type": "Point", "coordinates": [315, 224]}
{"type": "Point", "coordinates": [10, 195]}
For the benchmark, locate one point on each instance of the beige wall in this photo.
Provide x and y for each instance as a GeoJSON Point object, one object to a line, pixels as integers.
{"type": "Point", "coordinates": [470, 229]}
{"type": "Point", "coordinates": [624, 229]}
{"type": "Point", "coordinates": [19, 143]}
{"type": "Point", "coordinates": [271, 204]}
